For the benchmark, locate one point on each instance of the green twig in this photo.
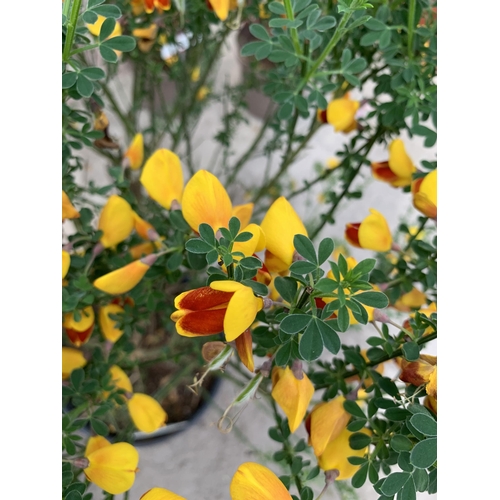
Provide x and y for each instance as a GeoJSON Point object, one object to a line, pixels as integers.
{"type": "Point", "coordinates": [70, 34]}
{"type": "Point", "coordinates": [411, 26]}
{"type": "Point", "coordinates": [116, 108]}
{"type": "Point", "coordinates": [293, 31]}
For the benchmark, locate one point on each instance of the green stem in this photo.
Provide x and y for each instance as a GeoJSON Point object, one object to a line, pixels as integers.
{"type": "Point", "coordinates": [66, 7]}
{"type": "Point", "coordinates": [293, 31]}
{"type": "Point", "coordinates": [328, 215]}
{"type": "Point", "coordinates": [419, 230]}
{"type": "Point", "coordinates": [116, 108]}
{"type": "Point", "coordinates": [339, 32]}
{"type": "Point", "coordinates": [70, 34]}
{"type": "Point", "coordinates": [84, 49]}
{"type": "Point", "coordinates": [411, 26]}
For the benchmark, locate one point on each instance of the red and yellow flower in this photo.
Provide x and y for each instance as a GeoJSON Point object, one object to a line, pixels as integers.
{"type": "Point", "coordinates": [79, 330]}
{"type": "Point", "coordinates": [398, 170]}
{"type": "Point", "coordinates": [108, 326]}
{"type": "Point", "coordinates": [424, 192]}
{"type": "Point", "coordinates": [421, 372]}
{"type": "Point", "coordinates": [341, 114]}
{"type": "Point", "coordinates": [372, 233]}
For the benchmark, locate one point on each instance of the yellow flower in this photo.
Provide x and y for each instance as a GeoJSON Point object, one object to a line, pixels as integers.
{"type": "Point", "coordinates": [206, 201]}
{"type": "Point", "coordinates": [146, 36]}
{"type": "Point", "coordinates": [143, 228]}
{"type": "Point", "coordinates": [162, 177]}
{"type": "Point", "coordinates": [160, 494]}
{"type": "Point", "coordinates": [424, 192]}
{"type": "Point", "coordinates": [332, 163]}
{"type": "Point", "coordinates": [292, 395]}
{"type": "Point", "coordinates": [421, 372]}
{"type": "Point", "coordinates": [79, 331]}
{"type": "Point", "coordinates": [113, 467]}
{"type": "Point", "coordinates": [325, 423]}
{"type": "Point", "coordinates": [116, 221]}
{"type": "Point", "coordinates": [202, 93]}
{"type": "Point", "coordinates": [280, 224]}
{"type": "Point", "coordinates": [142, 249]}
{"type": "Point", "coordinates": [72, 359]}
{"type": "Point", "coordinates": [220, 7]}
{"type": "Point", "coordinates": [135, 152]}
{"type": "Point", "coordinates": [373, 233]}
{"type": "Point", "coordinates": [146, 413]}
{"type": "Point", "coordinates": [66, 261]}
{"type": "Point", "coordinates": [398, 170]}
{"type": "Point", "coordinates": [253, 481]}
{"type": "Point", "coordinates": [337, 452]}
{"type": "Point", "coordinates": [120, 379]}
{"type": "Point", "coordinates": [125, 278]}
{"type": "Point", "coordinates": [68, 210]}
{"type": "Point", "coordinates": [96, 443]}
{"type": "Point", "coordinates": [161, 5]}
{"type": "Point", "coordinates": [341, 114]}
{"type": "Point", "coordinates": [195, 74]}
{"type": "Point", "coordinates": [95, 29]}
{"type": "Point", "coordinates": [411, 300]}
{"type": "Point", "coordinates": [243, 213]}
{"type": "Point", "coordinates": [107, 325]}
{"type": "Point", "coordinates": [263, 13]}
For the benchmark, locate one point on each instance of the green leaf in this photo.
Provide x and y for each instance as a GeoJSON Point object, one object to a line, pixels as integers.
{"type": "Point", "coordinates": [295, 323]}
{"type": "Point", "coordinates": [285, 111]}
{"type": "Point", "coordinates": [298, 5]}
{"type": "Point", "coordinates": [108, 54]}
{"type": "Point", "coordinates": [108, 11]}
{"type": "Point", "coordinates": [408, 492]}
{"type": "Point", "coordinates": [99, 427]}
{"type": "Point", "coordinates": [303, 267]}
{"type": "Point", "coordinates": [258, 31]}
{"type": "Point", "coordinates": [263, 52]}
{"type": "Point", "coordinates": [177, 219]}
{"type": "Point", "coordinates": [251, 48]}
{"type": "Point", "coordinates": [401, 443]}
{"type": "Point", "coordinates": [375, 25]}
{"type": "Point", "coordinates": [424, 454]}
{"type": "Point", "coordinates": [123, 43]}
{"type": "Point", "coordinates": [325, 250]}
{"type": "Point", "coordinates": [404, 462]}
{"type": "Point", "coordinates": [207, 234]}
{"type": "Point", "coordinates": [313, 473]}
{"type": "Point", "coordinates": [359, 440]}
{"type": "Point", "coordinates": [359, 22]}
{"type": "Point", "coordinates": [286, 287]}
{"type": "Point", "coordinates": [107, 28]}
{"type": "Point", "coordinates": [93, 73]}
{"type": "Point", "coordinates": [312, 18]}
{"type": "Point", "coordinates": [304, 247]}
{"type": "Point", "coordinates": [283, 354]}
{"type": "Point", "coordinates": [356, 65]}
{"type": "Point", "coordinates": [373, 299]}
{"type": "Point", "coordinates": [385, 39]}
{"type": "Point", "coordinates": [73, 495]}
{"type": "Point", "coordinates": [311, 343]}
{"type": "Point", "coordinates": [396, 414]}
{"type": "Point", "coordinates": [234, 226]}
{"type": "Point", "coordinates": [84, 86]}
{"type": "Point", "coordinates": [394, 483]}
{"type": "Point", "coordinates": [421, 479]}
{"type": "Point", "coordinates": [343, 318]}
{"type": "Point", "coordinates": [411, 351]}
{"type": "Point", "coordinates": [325, 23]}
{"type": "Point", "coordinates": [372, 474]}
{"type": "Point", "coordinates": [277, 8]}
{"type": "Point", "coordinates": [69, 79]}
{"type": "Point", "coordinates": [77, 377]}
{"type": "Point", "coordinates": [330, 338]}
{"type": "Point", "coordinates": [250, 263]}
{"type": "Point", "coordinates": [353, 408]}
{"type": "Point", "coordinates": [90, 17]}
{"type": "Point", "coordinates": [369, 38]}
{"type": "Point", "coordinates": [356, 425]}
{"type": "Point", "coordinates": [424, 424]}
{"type": "Point", "coordinates": [359, 477]}
{"type": "Point", "coordinates": [197, 245]}
{"type": "Point", "coordinates": [353, 80]}
{"type": "Point", "coordinates": [94, 3]}
{"type": "Point", "coordinates": [306, 493]}
{"type": "Point", "coordinates": [174, 261]}
{"type": "Point", "coordinates": [258, 288]}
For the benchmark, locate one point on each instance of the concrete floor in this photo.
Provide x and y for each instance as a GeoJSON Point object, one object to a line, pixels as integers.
{"type": "Point", "coordinates": [199, 462]}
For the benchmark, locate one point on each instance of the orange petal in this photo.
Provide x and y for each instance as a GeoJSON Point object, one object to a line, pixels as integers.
{"type": "Point", "coordinates": [162, 177]}
{"type": "Point", "coordinates": [116, 221]}
{"type": "Point", "coordinates": [122, 280]}
{"type": "Point", "coordinates": [142, 249]}
{"type": "Point", "coordinates": [292, 395]}
{"type": "Point", "coordinates": [68, 210]}
{"type": "Point", "coordinates": [245, 349]}
{"type": "Point", "coordinates": [146, 413]}
{"type": "Point", "coordinates": [135, 152]}
{"type": "Point", "coordinates": [199, 323]}
{"type": "Point", "coordinates": [253, 481]}
{"type": "Point", "coordinates": [202, 298]}
{"type": "Point", "coordinates": [162, 4]}
{"type": "Point", "coordinates": [206, 201]}
{"type": "Point", "coordinates": [352, 234]}
{"type": "Point", "coordinates": [221, 8]}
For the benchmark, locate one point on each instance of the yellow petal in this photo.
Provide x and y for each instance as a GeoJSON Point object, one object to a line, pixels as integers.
{"type": "Point", "coordinates": [254, 244]}
{"type": "Point", "coordinates": [72, 359]}
{"type": "Point", "coordinates": [86, 320]}
{"type": "Point", "coordinates": [146, 413]}
{"type": "Point", "coordinates": [113, 467]}
{"type": "Point", "coordinates": [122, 280]}
{"type": "Point", "coordinates": [150, 32]}
{"type": "Point", "coordinates": [411, 300]}
{"type": "Point", "coordinates": [280, 224]}
{"type": "Point", "coordinates": [142, 226]}
{"type": "Point", "coordinates": [95, 28]}
{"type": "Point", "coordinates": [425, 199]}
{"type": "Point", "coordinates": [374, 233]}
{"type": "Point", "coordinates": [241, 311]}
{"type": "Point", "coordinates": [160, 494]}
{"type": "Point", "coordinates": [341, 112]}
{"type": "Point", "coordinates": [66, 261]}
{"type": "Point", "coordinates": [116, 221]}
{"type": "Point", "coordinates": [107, 325]}
{"type": "Point", "coordinates": [253, 481]}
{"type": "Point", "coordinates": [96, 443]}
{"type": "Point", "coordinates": [332, 163]}
{"type": "Point", "coordinates": [120, 379]}
{"type": "Point", "coordinates": [162, 177]}
{"type": "Point", "coordinates": [336, 454]}
{"type": "Point", "coordinates": [206, 201]}
{"type": "Point", "coordinates": [243, 213]}
{"type": "Point", "coordinates": [292, 395]}
{"type": "Point", "coordinates": [135, 152]}
{"type": "Point", "coordinates": [221, 8]}
{"type": "Point", "coordinates": [399, 161]}
{"type": "Point", "coordinates": [68, 210]}
{"type": "Point", "coordinates": [431, 387]}
{"type": "Point", "coordinates": [326, 422]}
